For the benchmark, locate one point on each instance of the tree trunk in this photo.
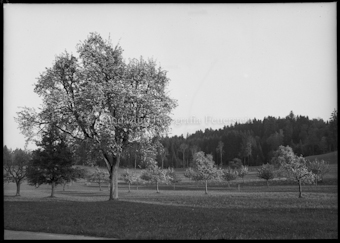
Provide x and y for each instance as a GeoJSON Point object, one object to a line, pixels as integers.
{"type": "Point", "coordinates": [183, 161]}
{"type": "Point", "coordinates": [116, 167]}
{"type": "Point", "coordinates": [300, 189]}
{"type": "Point", "coordinates": [18, 188]}
{"type": "Point", "coordinates": [129, 186]}
{"type": "Point", "coordinates": [157, 187]}
{"type": "Point", "coordinates": [53, 186]}
{"type": "Point", "coordinates": [221, 161]}
{"type": "Point", "coordinates": [111, 183]}
{"type": "Point", "coordinates": [135, 162]}
{"type": "Point", "coordinates": [206, 187]}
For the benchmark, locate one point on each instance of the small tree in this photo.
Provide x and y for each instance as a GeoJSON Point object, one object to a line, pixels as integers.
{"type": "Point", "coordinates": [295, 167]}
{"type": "Point", "coordinates": [138, 180]}
{"type": "Point", "coordinates": [319, 168]}
{"type": "Point", "coordinates": [154, 174]}
{"type": "Point", "coordinates": [173, 177]}
{"type": "Point", "coordinates": [189, 173]}
{"type": "Point", "coordinates": [98, 176]}
{"type": "Point", "coordinates": [129, 177]}
{"type": "Point", "coordinates": [266, 172]}
{"type": "Point", "coordinates": [229, 175]}
{"type": "Point", "coordinates": [243, 171]}
{"type": "Point", "coordinates": [52, 163]}
{"type": "Point", "coordinates": [15, 164]}
{"type": "Point", "coordinates": [204, 169]}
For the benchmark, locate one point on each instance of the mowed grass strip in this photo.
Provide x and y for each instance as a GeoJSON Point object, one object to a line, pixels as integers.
{"type": "Point", "coordinates": [132, 220]}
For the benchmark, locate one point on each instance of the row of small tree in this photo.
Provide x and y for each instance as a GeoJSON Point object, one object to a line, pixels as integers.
{"type": "Point", "coordinates": [287, 164]}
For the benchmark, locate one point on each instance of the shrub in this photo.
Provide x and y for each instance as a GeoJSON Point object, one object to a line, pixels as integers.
{"type": "Point", "coordinates": [229, 175]}
{"type": "Point", "coordinates": [266, 172]}
{"type": "Point", "coordinates": [235, 164]}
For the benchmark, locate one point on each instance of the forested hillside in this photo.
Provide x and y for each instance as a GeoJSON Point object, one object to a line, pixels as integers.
{"type": "Point", "coordinates": [255, 140]}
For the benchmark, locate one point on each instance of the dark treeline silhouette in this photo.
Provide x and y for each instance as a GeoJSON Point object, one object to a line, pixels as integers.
{"type": "Point", "coordinates": [253, 142]}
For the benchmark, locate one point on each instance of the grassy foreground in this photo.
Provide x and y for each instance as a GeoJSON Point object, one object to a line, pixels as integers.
{"type": "Point", "coordinates": [131, 220]}
{"type": "Point", "coordinates": [255, 212]}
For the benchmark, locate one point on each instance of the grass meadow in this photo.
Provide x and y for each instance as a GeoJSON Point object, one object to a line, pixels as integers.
{"type": "Point", "coordinates": [253, 212]}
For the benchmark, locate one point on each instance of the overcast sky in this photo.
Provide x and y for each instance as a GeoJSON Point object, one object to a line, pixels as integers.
{"type": "Point", "coordinates": [228, 62]}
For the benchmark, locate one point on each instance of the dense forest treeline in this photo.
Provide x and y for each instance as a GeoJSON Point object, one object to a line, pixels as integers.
{"type": "Point", "coordinates": [253, 142]}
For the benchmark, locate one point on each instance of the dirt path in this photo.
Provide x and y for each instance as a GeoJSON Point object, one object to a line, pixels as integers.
{"type": "Point", "coordinates": [27, 235]}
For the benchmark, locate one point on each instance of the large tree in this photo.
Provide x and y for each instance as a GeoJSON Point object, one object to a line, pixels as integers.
{"type": "Point", "coordinates": [99, 98]}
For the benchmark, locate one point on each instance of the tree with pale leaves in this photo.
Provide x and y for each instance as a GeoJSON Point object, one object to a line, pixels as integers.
{"type": "Point", "coordinates": [243, 171]}
{"type": "Point", "coordinates": [98, 98]}
{"type": "Point", "coordinates": [229, 175]}
{"type": "Point", "coordinates": [319, 168]}
{"type": "Point", "coordinates": [295, 167]}
{"type": "Point", "coordinates": [129, 177]}
{"type": "Point", "coordinates": [99, 176]}
{"type": "Point", "coordinates": [154, 174]}
{"type": "Point", "coordinates": [173, 177]}
{"type": "Point", "coordinates": [204, 169]}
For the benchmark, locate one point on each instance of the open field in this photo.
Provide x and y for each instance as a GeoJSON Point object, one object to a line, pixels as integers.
{"type": "Point", "coordinates": [254, 212]}
{"type": "Point", "coordinates": [331, 158]}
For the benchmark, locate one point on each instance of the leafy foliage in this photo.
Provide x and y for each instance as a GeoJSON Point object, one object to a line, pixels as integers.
{"type": "Point", "coordinates": [173, 177]}
{"type": "Point", "coordinates": [52, 163]}
{"type": "Point", "coordinates": [14, 166]}
{"type": "Point", "coordinates": [266, 172]}
{"type": "Point", "coordinates": [236, 163]}
{"type": "Point", "coordinates": [319, 168]}
{"type": "Point", "coordinates": [204, 169]}
{"type": "Point", "coordinates": [243, 171]}
{"type": "Point", "coordinates": [229, 174]}
{"type": "Point", "coordinates": [98, 176]}
{"type": "Point", "coordinates": [295, 167]}
{"type": "Point", "coordinates": [154, 174]}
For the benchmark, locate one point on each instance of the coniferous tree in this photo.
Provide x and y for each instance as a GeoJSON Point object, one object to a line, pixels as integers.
{"type": "Point", "coordinates": [52, 163]}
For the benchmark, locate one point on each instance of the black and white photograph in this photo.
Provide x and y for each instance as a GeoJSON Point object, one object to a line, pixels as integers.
{"type": "Point", "coordinates": [169, 121]}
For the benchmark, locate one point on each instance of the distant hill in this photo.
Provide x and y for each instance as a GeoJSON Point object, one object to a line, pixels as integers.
{"type": "Point", "coordinates": [332, 157]}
